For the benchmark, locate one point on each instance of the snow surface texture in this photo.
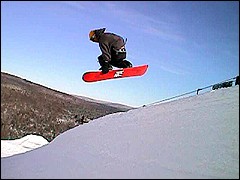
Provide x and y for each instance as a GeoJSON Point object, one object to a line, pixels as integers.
{"type": "Point", "coordinates": [194, 137]}
{"type": "Point", "coordinates": [22, 145]}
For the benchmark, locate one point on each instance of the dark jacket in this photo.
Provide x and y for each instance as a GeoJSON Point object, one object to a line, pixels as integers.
{"type": "Point", "coordinates": [108, 42]}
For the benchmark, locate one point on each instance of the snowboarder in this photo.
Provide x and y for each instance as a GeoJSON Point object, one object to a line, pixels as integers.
{"type": "Point", "coordinates": [113, 50]}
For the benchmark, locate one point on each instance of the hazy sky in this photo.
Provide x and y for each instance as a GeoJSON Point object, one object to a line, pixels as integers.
{"type": "Point", "coordinates": [187, 45]}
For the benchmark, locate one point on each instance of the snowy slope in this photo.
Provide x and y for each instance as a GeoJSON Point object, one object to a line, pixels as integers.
{"type": "Point", "coordinates": [22, 145]}
{"type": "Point", "coordinates": [194, 137]}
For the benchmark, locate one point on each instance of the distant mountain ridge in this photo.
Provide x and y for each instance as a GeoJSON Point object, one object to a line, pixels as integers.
{"type": "Point", "coordinates": [116, 105]}
{"type": "Point", "coordinates": [30, 108]}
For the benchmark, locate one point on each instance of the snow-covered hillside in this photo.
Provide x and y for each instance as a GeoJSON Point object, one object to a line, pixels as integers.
{"type": "Point", "coordinates": [193, 137]}
{"type": "Point", "coordinates": [22, 145]}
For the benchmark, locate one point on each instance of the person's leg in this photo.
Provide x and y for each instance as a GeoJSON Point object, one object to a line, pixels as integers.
{"type": "Point", "coordinates": [105, 66]}
{"type": "Point", "coordinates": [100, 60]}
{"type": "Point", "coordinates": [118, 59]}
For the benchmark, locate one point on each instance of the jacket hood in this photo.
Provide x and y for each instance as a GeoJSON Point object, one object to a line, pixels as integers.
{"type": "Point", "coordinates": [99, 32]}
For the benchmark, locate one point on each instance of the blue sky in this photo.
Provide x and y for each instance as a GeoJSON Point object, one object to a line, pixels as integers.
{"type": "Point", "coordinates": [187, 45]}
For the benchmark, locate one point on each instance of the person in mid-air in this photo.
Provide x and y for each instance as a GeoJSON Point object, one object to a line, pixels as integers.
{"type": "Point", "coordinates": [113, 50]}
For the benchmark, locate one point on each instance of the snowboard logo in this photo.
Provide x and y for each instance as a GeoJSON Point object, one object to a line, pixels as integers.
{"type": "Point", "coordinates": [118, 74]}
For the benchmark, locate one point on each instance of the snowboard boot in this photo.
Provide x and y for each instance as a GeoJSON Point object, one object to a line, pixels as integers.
{"type": "Point", "coordinates": [105, 68]}
{"type": "Point", "coordinates": [124, 64]}
{"type": "Point", "coordinates": [127, 63]}
{"type": "Point", "coordinates": [109, 67]}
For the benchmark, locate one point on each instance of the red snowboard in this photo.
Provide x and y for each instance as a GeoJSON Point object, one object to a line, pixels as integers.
{"type": "Point", "coordinates": [94, 76]}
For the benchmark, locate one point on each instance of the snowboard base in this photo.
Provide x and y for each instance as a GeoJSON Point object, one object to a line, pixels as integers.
{"type": "Point", "coordinates": [94, 76]}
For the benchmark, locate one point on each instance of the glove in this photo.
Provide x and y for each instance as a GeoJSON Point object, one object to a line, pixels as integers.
{"type": "Point", "coordinates": [105, 68]}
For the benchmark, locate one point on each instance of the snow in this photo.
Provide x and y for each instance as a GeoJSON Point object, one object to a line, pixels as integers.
{"type": "Point", "coordinates": [193, 137]}
{"type": "Point", "coordinates": [22, 145]}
